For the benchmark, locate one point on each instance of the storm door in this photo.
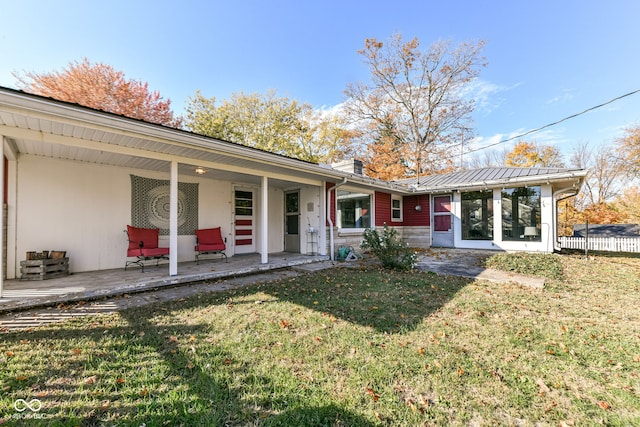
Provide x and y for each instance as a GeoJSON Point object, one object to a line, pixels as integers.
{"type": "Point", "coordinates": [244, 221]}
{"type": "Point", "coordinates": [292, 221]}
{"type": "Point", "coordinates": [442, 222]}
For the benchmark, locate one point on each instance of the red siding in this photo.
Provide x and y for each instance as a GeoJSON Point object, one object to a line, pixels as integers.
{"type": "Point", "coordinates": [411, 216]}
{"type": "Point", "coordinates": [383, 209]}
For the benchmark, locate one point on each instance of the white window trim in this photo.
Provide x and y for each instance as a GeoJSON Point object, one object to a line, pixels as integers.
{"type": "Point", "coordinates": [372, 201]}
{"type": "Point", "coordinates": [399, 198]}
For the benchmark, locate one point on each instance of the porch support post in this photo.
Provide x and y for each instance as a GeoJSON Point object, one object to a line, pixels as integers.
{"type": "Point", "coordinates": [264, 221]}
{"type": "Point", "coordinates": [2, 215]}
{"type": "Point", "coordinates": [322, 223]}
{"type": "Point", "coordinates": [173, 220]}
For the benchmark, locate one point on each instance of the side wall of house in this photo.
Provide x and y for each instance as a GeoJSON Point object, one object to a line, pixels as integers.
{"type": "Point", "coordinates": [84, 209]}
{"type": "Point", "coordinates": [413, 228]}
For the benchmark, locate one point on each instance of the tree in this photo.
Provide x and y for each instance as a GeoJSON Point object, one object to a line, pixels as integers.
{"type": "Point", "coordinates": [568, 216]}
{"type": "Point", "coordinates": [414, 99]}
{"type": "Point", "coordinates": [487, 158]}
{"type": "Point", "coordinates": [101, 87]}
{"type": "Point", "coordinates": [384, 159]}
{"type": "Point", "coordinates": [323, 136]}
{"type": "Point", "coordinates": [628, 147]}
{"type": "Point", "coordinates": [606, 175]}
{"type": "Point", "coordinates": [628, 203]}
{"type": "Point", "coordinates": [532, 154]}
{"type": "Point", "coordinates": [271, 123]}
{"type": "Point", "coordinates": [604, 213]}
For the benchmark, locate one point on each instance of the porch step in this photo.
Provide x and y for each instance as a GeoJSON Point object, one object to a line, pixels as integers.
{"type": "Point", "coordinates": [313, 267]}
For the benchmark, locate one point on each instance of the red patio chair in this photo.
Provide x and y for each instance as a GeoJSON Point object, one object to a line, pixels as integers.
{"type": "Point", "coordinates": [210, 241]}
{"type": "Point", "coordinates": [143, 244]}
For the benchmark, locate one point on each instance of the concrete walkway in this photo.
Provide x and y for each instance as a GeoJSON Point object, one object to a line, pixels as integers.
{"type": "Point", "coordinates": [38, 312]}
{"type": "Point", "coordinates": [470, 263]}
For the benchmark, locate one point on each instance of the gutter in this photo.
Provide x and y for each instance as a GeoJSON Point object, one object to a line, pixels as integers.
{"type": "Point", "coordinates": [331, 243]}
{"type": "Point", "coordinates": [555, 201]}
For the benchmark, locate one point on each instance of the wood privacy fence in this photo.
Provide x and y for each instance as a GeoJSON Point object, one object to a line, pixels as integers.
{"type": "Point", "coordinates": [609, 244]}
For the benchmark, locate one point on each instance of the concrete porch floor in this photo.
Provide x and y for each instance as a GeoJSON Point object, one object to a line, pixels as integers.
{"type": "Point", "coordinates": [20, 295]}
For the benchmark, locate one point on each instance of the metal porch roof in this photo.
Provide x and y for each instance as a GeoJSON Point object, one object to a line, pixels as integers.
{"type": "Point", "coordinates": [490, 177]}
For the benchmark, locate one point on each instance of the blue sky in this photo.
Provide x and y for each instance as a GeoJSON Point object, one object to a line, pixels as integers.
{"type": "Point", "coordinates": [546, 59]}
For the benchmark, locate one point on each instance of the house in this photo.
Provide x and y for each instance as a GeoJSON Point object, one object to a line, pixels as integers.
{"type": "Point", "coordinates": [607, 230]}
{"type": "Point", "coordinates": [504, 208]}
{"type": "Point", "coordinates": [74, 178]}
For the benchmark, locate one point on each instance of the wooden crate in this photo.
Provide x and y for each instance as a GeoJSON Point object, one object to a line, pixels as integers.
{"type": "Point", "coordinates": [42, 269]}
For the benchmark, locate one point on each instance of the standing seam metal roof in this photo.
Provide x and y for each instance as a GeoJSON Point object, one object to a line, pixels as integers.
{"type": "Point", "coordinates": [480, 176]}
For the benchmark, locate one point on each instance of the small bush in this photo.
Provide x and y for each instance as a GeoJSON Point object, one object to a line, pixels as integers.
{"type": "Point", "coordinates": [533, 264]}
{"type": "Point", "coordinates": [392, 253]}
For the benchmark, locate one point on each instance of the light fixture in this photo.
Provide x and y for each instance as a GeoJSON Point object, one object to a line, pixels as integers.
{"type": "Point", "coordinates": [200, 171]}
{"type": "Point", "coordinates": [418, 208]}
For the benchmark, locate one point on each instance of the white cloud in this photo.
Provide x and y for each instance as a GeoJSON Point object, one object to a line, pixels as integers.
{"type": "Point", "coordinates": [487, 95]}
{"type": "Point", "coordinates": [565, 96]}
{"type": "Point", "coordinates": [329, 110]}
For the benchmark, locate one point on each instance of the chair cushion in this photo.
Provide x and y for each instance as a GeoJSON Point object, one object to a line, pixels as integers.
{"type": "Point", "coordinates": [210, 236]}
{"type": "Point", "coordinates": [210, 248]}
{"type": "Point", "coordinates": [149, 236]}
{"type": "Point", "coordinates": [154, 252]}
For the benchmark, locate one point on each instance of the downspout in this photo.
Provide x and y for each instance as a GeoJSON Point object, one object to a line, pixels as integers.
{"type": "Point", "coordinates": [556, 246]}
{"type": "Point", "coordinates": [344, 181]}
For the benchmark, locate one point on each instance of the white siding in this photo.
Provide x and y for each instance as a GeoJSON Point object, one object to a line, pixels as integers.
{"type": "Point", "coordinates": [84, 208]}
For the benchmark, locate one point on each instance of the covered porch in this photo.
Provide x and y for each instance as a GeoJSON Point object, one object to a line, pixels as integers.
{"type": "Point", "coordinates": [74, 178]}
{"type": "Point", "coordinates": [20, 295]}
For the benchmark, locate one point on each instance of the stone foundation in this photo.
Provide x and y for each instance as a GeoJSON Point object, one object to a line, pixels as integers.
{"type": "Point", "coordinates": [415, 237]}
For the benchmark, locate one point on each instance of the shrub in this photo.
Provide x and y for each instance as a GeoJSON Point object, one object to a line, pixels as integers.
{"type": "Point", "coordinates": [533, 264]}
{"type": "Point", "coordinates": [392, 253]}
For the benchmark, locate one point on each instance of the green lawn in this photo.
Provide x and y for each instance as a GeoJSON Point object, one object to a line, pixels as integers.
{"type": "Point", "coordinates": [346, 348]}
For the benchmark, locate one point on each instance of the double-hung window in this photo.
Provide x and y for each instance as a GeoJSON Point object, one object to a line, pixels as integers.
{"type": "Point", "coordinates": [396, 208]}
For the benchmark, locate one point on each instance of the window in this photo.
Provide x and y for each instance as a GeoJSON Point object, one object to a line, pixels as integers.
{"type": "Point", "coordinates": [521, 213]}
{"type": "Point", "coordinates": [244, 203]}
{"type": "Point", "coordinates": [354, 210]}
{"type": "Point", "coordinates": [477, 215]}
{"type": "Point", "coordinates": [396, 208]}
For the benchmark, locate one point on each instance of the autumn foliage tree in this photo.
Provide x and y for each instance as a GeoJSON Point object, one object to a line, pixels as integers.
{"type": "Point", "coordinates": [628, 147]}
{"type": "Point", "coordinates": [532, 154]}
{"type": "Point", "coordinates": [605, 180]}
{"type": "Point", "coordinates": [628, 203]}
{"type": "Point", "coordinates": [101, 87]}
{"type": "Point", "coordinates": [414, 103]}
{"type": "Point", "coordinates": [271, 123]}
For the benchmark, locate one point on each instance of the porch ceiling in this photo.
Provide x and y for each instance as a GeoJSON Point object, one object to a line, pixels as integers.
{"type": "Point", "coordinates": [62, 138]}
{"type": "Point", "coordinates": [39, 126]}
{"type": "Point", "coordinates": [65, 152]}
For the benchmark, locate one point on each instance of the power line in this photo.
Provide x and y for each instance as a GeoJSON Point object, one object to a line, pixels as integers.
{"type": "Point", "coordinates": [554, 123]}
